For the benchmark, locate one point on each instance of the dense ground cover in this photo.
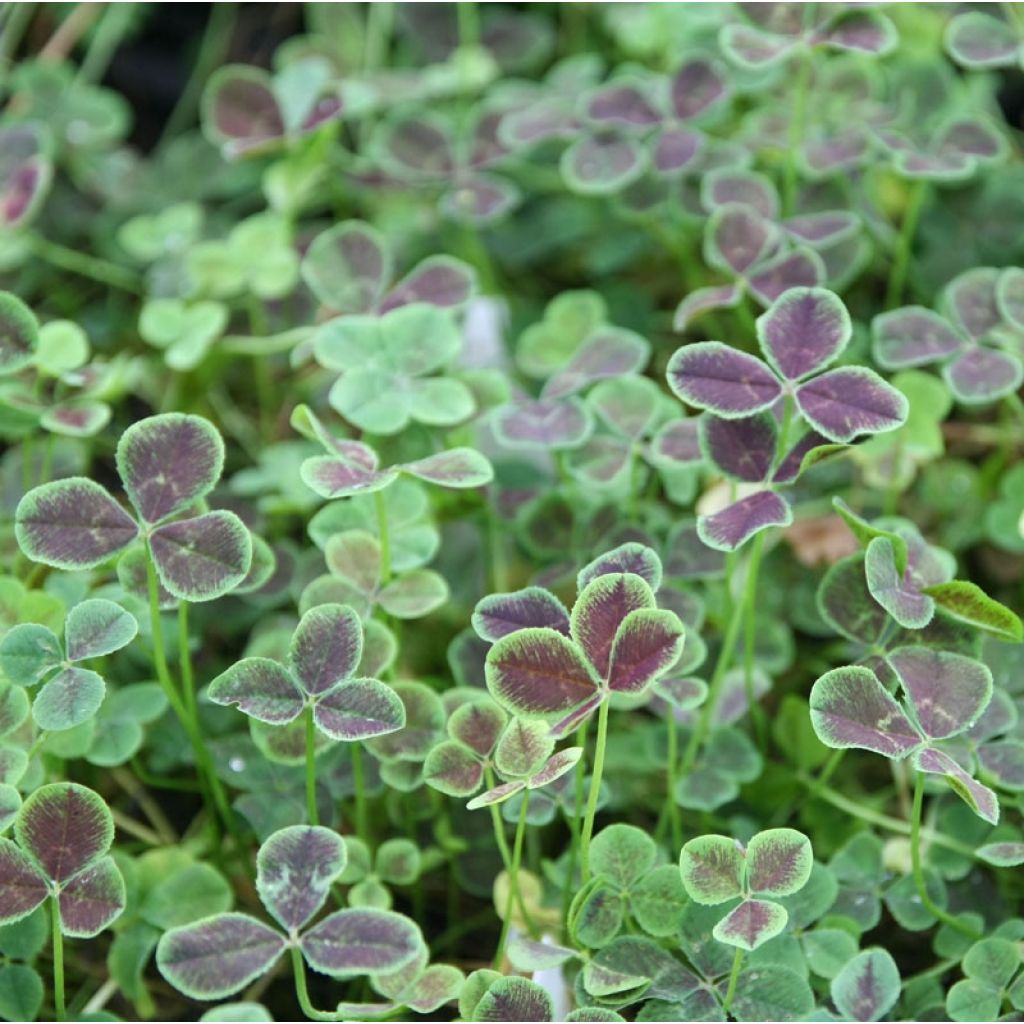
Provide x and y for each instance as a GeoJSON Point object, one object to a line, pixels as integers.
{"type": "Point", "coordinates": [514, 513]}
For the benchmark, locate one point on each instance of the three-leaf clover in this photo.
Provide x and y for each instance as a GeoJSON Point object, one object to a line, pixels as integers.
{"type": "Point", "coordinates": [717, 869]}
{"type": "Point", "coordinates": [32, 654]}
{"type": "Point", "coordinates": [167, 464]}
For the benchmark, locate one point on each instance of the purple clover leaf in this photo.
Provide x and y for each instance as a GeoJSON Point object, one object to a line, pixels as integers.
{"type": "Point", "coordinates": [70, 695]}
{"type": "Point", "coordinates": [456, 766]}
{"type": "Point", "coordinates": [956, 151]}
{"type": "Point", "coordinates": [979, 41]}
{"type": "Point", "coordinates": [296, 866]}
{"type": "Point", "coordinates": [26, 171]}
{"type": "Point", "coordinates": [168, 464]}
{"type": "Point", "coordinates": [324, 654]}
{"type": "Point", "coordinates": [975, 338]}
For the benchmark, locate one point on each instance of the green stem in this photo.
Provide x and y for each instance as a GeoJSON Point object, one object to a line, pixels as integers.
{"type": "Point", "coordinates": [734, 977]}
{"type": "Point", "coordinates": [106, 38]}
{"type": "Point", "coordinates": [595, 789]}
{"type": "Point", "coordinates": [311, 810]}
{"type": "Point", "coordinates": [302, 991]}
{"type": "Point", "coordinates": [904, 244]}
{"type": "Point", "coordinates": [577, 816]}
{"type": "Point", "coordinates": [469, 25]}
{"type": "Point", "coordinates": [84, 265]}
{"type": "Point", "coordinates": [796, 129]}
{"type": "Point", "coordinates": [506, 855]}
{"type": "Point", "coordinates": [379, 18]}
{"type": "Point", "coordinates": [385, 539]}
{"type": "Point", "coordinates": [675, 821]}
{"type": "Point", "coordinates": [185, 660]}
{"type": "Point", "coordinates": [17, 19]}
{"type": "Point", "coordinates": [915, 859]}
{"type": "Point", "coordinates": [513, 887]}
{"type": "Point", "coordinates": [359, 785]}
{"type": "Point", "coordinates": [58, 960]}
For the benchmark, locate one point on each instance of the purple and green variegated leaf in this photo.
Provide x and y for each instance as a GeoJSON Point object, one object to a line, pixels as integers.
{"type": "Point", "coordinates": [72, 524]}
{"type": "Point", "coordinates": [457, 467]}
{"type": "Point", "coordinates": [684, 694]}
{"type": "Point", "coordinates": [779, 862]}
{"type": "Point", "coordinates": [947, 691]}
{"type": "Point", "coordinates": [355, 557]}
{"type": "Point", "coordinates": [555, 767]}
{"type": "Point", "coordinates": [601, 608]}
{"type": "Point", "coordinates": [203, 558]}
{"type": "Point", "coordinates": [743, 449]}
{"type": "Point", "coordinates": [259, 687]}
{"type": "Point", "coordinates": [971, 300]}
{"type": "Point", "coordinates": [424, 725]}
{"type": "Point", "coordinates": [724, 380]}
{"type": "Point", "coordinates": [648, 643]}
{"type": "Point", "coordinates": [326, 647]}
{"type": "Point", "coordinates": [622, 104]}
{"type": "Point", "coordinates": [514, 999]}
{"type": "Point", "coordinates": [913, 336]}
{"type": "Point", "coordinates": [846, 603]}
{"type": "Point", "coordinates": [496, 795]}
{"type": "Point", "coordinates": [453, 769]}
{"type": "Point", "coordinates": [861, 32]}
{"type": "Point", "coordinates": [97, 627]}
{"type": "Point", "coordinates": [983, 375]}
{"type": "Point", "coordinates": [696, 86]}
{"type": "Point", "coordinates": [712, 868]}
{"type": "Point", "coordinates": [440, 281]}
{"type": "Point", "coordinates": [839, 152]}
{"type": "Point", "coordinates": [217, 956]}
{"type": "Point", "coordinates": [807, 452]}
{"type": "Point", "coordinates": [674, 149]}
{"type": "Point", "coordinates": [824, 229]}
{"type": "Point", "coordinates": [977, 40]}
{"type": "Point", "coordinates": [65, 827]}
{"type": "Point", "coordinates": [10, 804]}
{"type": "Point", "coordinates": [1002, 763]}
{"type": "Point", "coordinates": [939, 167]}
{"type": "Point", "coordinates": [22, 886]}
{"type": "Point", "coordinates": [751, 48]}
{"type": "Point", "coordinates": [348, 266]}
{"type": "Point", "coordinates": [543, 424]}
{"type": "Point", "coordinates": [295, 868]}
{"type": "Point", "coordinates": [972, 136]}
{"type": "Point", "coordinates": [306, 422]}
{"type": "Point", "coordinates": [967, 602]}
{"type": "Point", "coordinates": [804, 331]}
{"type": "Point", "coordinates": [497, 615]}
{"type": "Point", "coordinates": [629, 405]}
{"type": "Point", "coordinates": [362, 941]}
{"type": "Point", "coordinates": [631, 557]}
{"type": "Point", "coordinates": [572, 721]}
{"type": "Point", "coordinates": [738, 238]}
{"type": "Point", "coordinates": [480, 199]}
{"type": "Point", "coordinates": [19, 334]}
{"type": "Point", "coordinates": [477, 725]}
{"type": "Point", "coordinates": [359, 709]}
{"type": "Point", "coordinates": [523, 748]}
{"type": "Point", "coordinates": [733, 185]}
{"type": "Point", "coordinates": [867, 986]}
{"type": "Point", "coordinates": [840, 404]}
{"type": "Point", "coordinates": [70, 698]}
{"type": "Point", "coordinates": [547, 118]}
{"type": "Point", "coordinates": [801, 268]}
{"type": "Point", "coordinates": [1010, 296]}
{"type": "Point", "coordinates": [601, 463]}
{"type": "Point", "coordinates": [1002, 855]}
{"type": "Point", "coordinates": [677, 444]}
{"type": "Point", "coordinates": [851, 708]}
{"type": "Point", "coordinates": [998, 718]}
{"type": "Point", "coordinates": [26, 172]}
{"type": "Point", "coordinates": [734, 526]}
{"type": "Point", "coordinates": [333, 477]}
{"type": "Point", "coordinates": [609, 352]}
{"type": "Point", "coordinates": [600, 165]}
{"type": "Point", "coordinates": [430, 990]}
{"type": "Point", "coordinates": [528, 954]}
{"type": "Point", "coordinates": [76, 418]}
{"type": "Point", "coordinates": [898, 594]}
{"type": "Point", "coordinates": [92, 900]}
{"type": "Point", "coordinates": [705, 300]}
{"type": "Point", "coordinates": [751, 924]}
{"type": "Point", "coordinates": [538, 672]}
{"type": "Point", "coordinates": [28, 653]}
{"type": "Point", "coordinates": [979, 798]}
{"type": "Point", "coordinates": [14, 708]}
{"type": "Point", "coordinates": [240, 113]}
{"type": "Point", "coordinates": [414, 594]}
{"type": "Point", "coordinates": [168, 462]}
{"type": "Point", "coordinates": [416, 146]}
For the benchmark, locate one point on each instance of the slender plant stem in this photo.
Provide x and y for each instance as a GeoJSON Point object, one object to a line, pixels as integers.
{"type": "Point", "coordinates": [469, 24]}
{"type": "Point", "coordinates": [513, 887]}
{"type": "Point", "coordinates": [185, 660]}
{"type": "Point", "coordinates": [750, 639]}
{"type": "Point", "coordinates": [915, 859]}
{"type": "Point", "coordinates": [17, 18]}
{"type": "Point", "coordinates": [60, 1007]}
{"type": "Point", "coordinates": [577, 816]}
{"type": "Point", "coordinates": [109, 32]}
{"type": "Point", "coordinates": [796, 128]}
{"type": "Point", "coordinates": [311, 809]}
{"type": "Point", "coordinates": [359, 785]}
{"type": "Point", "coordinates": [302, 991]}
{"type": "Point", "coordinates": [595, 789]}
{"type": "Point", "coordinates": [506, 855]}
{"type": "Point", "coordinates": [904, 244]}
{"type": "Point", "coordinates": [734, 977]}
{"type": "Point", "coordinates": [674, 819]}
{"type": "Point", "coordinates": [385, 540]}
{"type": "Point", "coordinates": [84, 265]}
